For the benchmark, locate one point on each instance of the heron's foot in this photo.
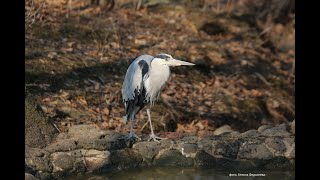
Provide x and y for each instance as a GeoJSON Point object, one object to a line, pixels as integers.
{"type": "Point", "coordinates": [130, 139]}
{"type": "Point", "coordinates": [155, 138]}
{"type": "Point", "coordinates": [131, 136]}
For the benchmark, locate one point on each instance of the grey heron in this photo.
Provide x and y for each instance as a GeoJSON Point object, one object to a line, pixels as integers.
{"type": "Point", "coordinates": [143, 81]}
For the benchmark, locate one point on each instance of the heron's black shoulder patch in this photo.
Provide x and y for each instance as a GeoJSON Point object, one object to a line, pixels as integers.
{"type": "Point", "coordinates": [144, 67]}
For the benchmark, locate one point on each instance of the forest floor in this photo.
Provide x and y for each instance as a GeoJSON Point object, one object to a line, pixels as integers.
{"type": "Point", "coordinates": [76, 60]}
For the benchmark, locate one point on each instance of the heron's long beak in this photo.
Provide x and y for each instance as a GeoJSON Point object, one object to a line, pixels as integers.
{"type": "Point", "coordinates": [176, 62]}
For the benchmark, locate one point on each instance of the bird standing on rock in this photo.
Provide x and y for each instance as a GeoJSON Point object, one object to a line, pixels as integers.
{"type": "Point", "coordinates": [144, 79]}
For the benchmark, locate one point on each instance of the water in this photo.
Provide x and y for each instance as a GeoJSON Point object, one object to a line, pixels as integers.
{"type": "Point", "coordinates": [170, 173]}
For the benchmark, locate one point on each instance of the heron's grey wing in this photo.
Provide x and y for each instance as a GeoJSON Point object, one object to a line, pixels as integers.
{"type": "Point", "coordinates": [133, 90]}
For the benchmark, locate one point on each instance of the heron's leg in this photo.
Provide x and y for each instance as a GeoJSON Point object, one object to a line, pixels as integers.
{"type": "Point", "coordinates": [131, 133]}
{"type": "Point", "coordinates": [152, 135]}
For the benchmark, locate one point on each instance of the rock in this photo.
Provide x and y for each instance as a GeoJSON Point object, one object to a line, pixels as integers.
{"type": "Point", "coordinates": [88, 137]}
{"type": "Point", "coordinates": [62, 161]}
{"type": "Point", "coordinates": [276, 144]}
{"type": "Point", "coordinates": [220, 147]}
{"type": "Point", "coordinates": [96, 159]}
{"type": "Point", "coordinates": [62, 145]}
{"type": "Point", "coordinates": [29, 170]}
{"type": "Point", "coordinates": [147, 149]}
{"type": "Point", "coordinates": [35, 152]}
{"type": "Point", "coordinates": [206, 144]}
{"type": "Point", "coordinates": [39, 132]}
{"type": "Point", "coordinates": [188, 139]}
{"type": "Point", "coordinates": [172, 158]}
{"type": "Point", "coordinates": [251, 133]}
{"type": "Point", "coordinates": [28, 176]}
{"type": "Point", "coordinates": [254, 150]}
{"type": "Point", "coordinates": [280, 130]}
{"type": "Point", "coordinates": [222, 129]}
{"type": "Point", "coordinates": [226, 163]}
{"type": "Point", "coordinates": [88, 131]}
{"type": "Point", "coordinates": [243, 164]}
{"type": "Point", "coordinates": [290, 146]}
{"type": "Point", "coordinates": [110, 141]}
{"type": "Point", "coordinates": [79, 165]}
{"type": "Point", "coordinates": [44, 175]}
{"type": "Point", "coordinates": [205, 160]}
{"type": "Point", "coordinates": [37, 159]}
{"type": "Point", "coordinates": [293, 127]}
{"type": "Point", "coordinates": [263, 128]}
{"type": "Point", "coordinates": [277, 162]}
{"type": "Point", "coordinates": [228, 149]}
{"type": "Point", "coordinates": [62, 136]}
{"type": "Point", "coordinates": [125, 158]}
{"type": "Point", "coordinates": [188, 150]}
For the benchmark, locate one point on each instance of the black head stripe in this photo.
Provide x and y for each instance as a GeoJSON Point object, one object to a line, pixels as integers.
{"type": "Point", "coordinates": [162, 56]}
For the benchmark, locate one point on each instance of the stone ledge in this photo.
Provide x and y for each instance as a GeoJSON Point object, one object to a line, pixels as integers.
{"type": "Point", "coordinates": [94, 150]}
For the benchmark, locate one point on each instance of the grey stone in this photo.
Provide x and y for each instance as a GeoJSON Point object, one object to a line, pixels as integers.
{"type": "Point", "coordinates": [28, 176]}
{"type": "Point", "coordinates": [62, 136]}
{"type": "Point", "coordinates": [88, 131]}
{"type": "Point", "coordinates": [203, 159]}
{"type": "Point", "coordinates": [277, 162]}
{"type": "Point", "coordinates": [244, 165]}
{"type": "Point", "coordinates": [125, 158]}
{"type": "Point", "coordinates": [292, 154]}
{"type": "Point", "coordinates": [147, 149]}
{"type": "Point", "coordinates": [251, 133]}
{"type": "Point", "coordinates": [188, 139]}
{"type": "Point", "coordinates": [188, 149]}
{"type": "Point", "coordinates": [35, 152]}
{"type": "Point", "coordinates": [109, 141]}
{"type": "Point", "coordinates": [276, 144]}
{"type": "Point", "coordinates": [263, 128]}
{"type": "Point", "coordinates": [79, 165]}
{"type": "Point", "coordinates": [282, 126]}
{"type": "Point", "coordinates": [62, 145]}
{"type": "Point", "coordinates": [253, 150]}
{"type": "Point", "coordinates": [226, 163]}
{"type": "Point", "coordinates": [277, 131]}
{"type": "Point", "coordinates": [174, 158]}
{"type": "Point", "coordinates": [39, 132]}
{"type": "Point", "coordinates": [220, 146]}
{"type": "Point", "coordinates": [62, 161]}
{"type": "Point", "coordinates": [290, 146]}
{"type": "Point", "coordinates": [38, 159]}
{"type": "Point", "coordinates": [95, 160]}
{"type": "Point", "coordinates": [228, 149]}
{"type": "Point", "coordinates": [206, 144]}
{"type": "Point", "coordinates": [293, 127]}
{"type": "Point", "coordinates": [44, 175]}
{"type": "Point", "coordinates": [222, 129]}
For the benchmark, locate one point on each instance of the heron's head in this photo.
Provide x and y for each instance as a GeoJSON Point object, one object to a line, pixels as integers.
{"type": "Point", "coordinates": [166, 59]}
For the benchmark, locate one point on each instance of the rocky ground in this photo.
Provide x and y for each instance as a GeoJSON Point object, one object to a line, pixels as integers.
{"type": "Point", "coordinates": [86, 148]}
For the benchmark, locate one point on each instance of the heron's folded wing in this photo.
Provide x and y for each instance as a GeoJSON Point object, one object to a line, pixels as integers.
{"type": "Point", "coordinates": [137, 73]}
